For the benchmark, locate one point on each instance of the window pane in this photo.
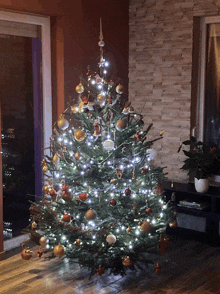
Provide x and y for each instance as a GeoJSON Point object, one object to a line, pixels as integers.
{"type": "Point", "coordinates": [17, 130]}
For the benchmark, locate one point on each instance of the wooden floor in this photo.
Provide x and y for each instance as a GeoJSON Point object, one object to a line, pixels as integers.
{"type": "Point", "coordinates": [188, 267]}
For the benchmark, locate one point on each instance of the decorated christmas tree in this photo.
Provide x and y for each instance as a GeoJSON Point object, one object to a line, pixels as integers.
{"type": "Point", "coordinates": [103, 202]}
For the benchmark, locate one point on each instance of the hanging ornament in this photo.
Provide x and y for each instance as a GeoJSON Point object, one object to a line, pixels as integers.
{"type": "Point", "coordinates": [108, 145]}
{"type": "Point", "coordinates": [121, 124]}
{"type": "Point", "coordinates": [128, 229]}
{"type": "Point", "coordinates": [33, 225]}
{"type": "Point", "coordinates": [162, 133]}
{"type": "Point", "coordinates": [119, 172]}
{"type": "Point", "coordinates": [56, 160]}
{"type": "Point", "coordinates": [113, 181]}
{"type": "Point", "coordinates": [83, 196]}
{"type": "Point", "coordinates": [119, 88]}
{"type": "Point", "coordinates": [144, 170]}
{"type": "Point", "coordinates": [111, 239]}
{"type": "Point", "coordinates": [162, 243]}
{"type": "Point", "coordinates": [148, 210]}
{"type": "Point", "coordinates": [112, 202]}
{"type": "Point", "coordinates": [84, 99]}
{"type": "Point", "coordinates": [65, 188]}
{"type": "Point", "coordinates": [173, 224]}
{"type": "Point", "coordinates": [26, 253]}
{"type": "Point", "coordinates": [100, 271]}
{"type": "Point", "coordinates": [158, 268]}
{"type": "Point", "coordinates": [100, 98]}
{"type": "Point", "coordinates": [66, 218]}
{"type": "Point", "coordinates": [151, 153]}
{"type": "Point", "coordinates": [59, 250]}
{"type": "Point", "coordinates": [145, 226]}
{"type": "Point", "coordinates": [43, 241]}
{"type": "Point", "coordinates": [78, 241]}
{"type": "Point", "coordinates": [53, 193]}
{"type": "Point", "coordinates": [97, 129]}
{"type": "Point", "coordinates": [134, 175]}
{"type": "Point", "coordinates": [39, 252]}
{"type": "Point", "coordinates": [77, 155]}
{"type": "Point", "coordinates": [46, 189]}
{"type": "Point", "coordinates": [158, 189]}
{"type": "Point", "coordinates": [127, 261]}
{"type": "Point", "coordinates": [67, 196]}
{"type": "Point", "coordinates": [80, 135]}
{"type": "Point", "coordinates": [62, 123]}
{"type": "Point", "coordinates": [127, 192]}
{"type": "Point", "coordinates": [90, 214]}
{"type": "Point", "coordinates": [98, 79]}
{"type": "Point", "coordinates": [45, 168]}
{"type": "Point", "coordinates": [79, 88]}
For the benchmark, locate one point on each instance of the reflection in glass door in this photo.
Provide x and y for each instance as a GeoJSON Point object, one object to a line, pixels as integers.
{"type": "Point", "coordinates": [21, 129]}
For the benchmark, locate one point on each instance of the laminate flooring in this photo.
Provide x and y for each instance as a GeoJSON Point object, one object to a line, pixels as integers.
{"type": "Point", "coordinates": [188, 267]}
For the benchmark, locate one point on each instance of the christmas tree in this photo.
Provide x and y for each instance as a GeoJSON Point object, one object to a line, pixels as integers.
{"type": "Point", "coordinates": [103, 201]}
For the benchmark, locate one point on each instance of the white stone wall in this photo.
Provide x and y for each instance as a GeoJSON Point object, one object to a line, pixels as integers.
{"type": "Point", "coordinates": [160, 66]}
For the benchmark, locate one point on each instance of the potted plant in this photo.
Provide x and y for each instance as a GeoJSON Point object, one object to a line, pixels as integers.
{"type": "Point", "coordinates": [202, 160]}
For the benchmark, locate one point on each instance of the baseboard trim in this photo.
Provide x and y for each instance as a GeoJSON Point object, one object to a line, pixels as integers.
{"type": "Point", "coordinates": [2, 255]}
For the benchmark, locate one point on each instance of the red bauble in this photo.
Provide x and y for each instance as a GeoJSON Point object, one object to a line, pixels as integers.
{"type": "Point", "coordinates": [83, 196]}
{"type": "Point", "coordinates": [67, 196]}
{"type": "Point", "coordinates": [26, 254]}
{"type": "Point", "coordinates": [65, 188]}
{"type": "Point", "coordinates": [66, 218]}
{"type": "Point", "coordinates": [148, 210]}
{"type": "Point", "coordinates": [112, 202]}
{"type": "Point", "coordinates": [127, 192]}
{"type": "Point", "coordinates": [53, 193]}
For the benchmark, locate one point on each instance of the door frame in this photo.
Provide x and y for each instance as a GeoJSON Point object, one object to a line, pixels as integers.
{"type": "Point", "coordinates": [44, 23]}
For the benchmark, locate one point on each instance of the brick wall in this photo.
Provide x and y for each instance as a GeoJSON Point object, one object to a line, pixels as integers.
{"type": "Point", "coordinates": [160, 66]}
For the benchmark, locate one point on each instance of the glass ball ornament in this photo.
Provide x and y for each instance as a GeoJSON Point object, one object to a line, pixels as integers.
{"type": "Point", "coordinates": [145, 226]}
{"type": "Point", "coordinates": [100, 98]}
{"type": "Point", "coordinates": [77, 155]}
{"type": "Point", "coordinates": [111, 239]}
{"type": "Point", "coordinates": [121, 124]}
{"type": "Point", "coordinates": [127, 261]}
{"type": "Point", "coordinates": [26, 254]}
{"type": "Point", "coordinates": [101, 43]}
{"type": "Point", "coordinates": [112, 202]}
{"type": "Point", "coordinates": [80, 88]}
{"type": "Point", "coordinates": [66, 218]}
{"type": "Point", "coordinates": [108, 144]}
{"type": "Point", "coordinates": [83, 196]}
{"type": "Point", "coordinates": [90, 214]}
{"type": "Point", "coordinates": [67, 196]}
{"type": "Point", "coordinates": [80, 135]}
{"type": "Point", "coordinates": [59, 250]}
{"type": "Point", "coordinates": [62, 123]}
{"type": "Point", "coordinates": [43, 241]}
{"type": "Point", "coordinates": [119, 89]}
{"type": "Point", "coordinates": [56, 160]}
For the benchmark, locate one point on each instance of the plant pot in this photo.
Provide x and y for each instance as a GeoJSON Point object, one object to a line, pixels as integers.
{"type": "Point", "coordinates": [202, 185]}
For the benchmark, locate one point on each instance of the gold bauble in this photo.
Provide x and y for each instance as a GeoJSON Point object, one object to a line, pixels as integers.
{"type": "Point", "coordinates": [77, 155]}
{"type": "Point", "coordinates": [62, 123]}
{"type": "Point", "coordinates": [59, 250]}
{"type": "Point", "coordinates": [173, 224]}
{"type": "Point", "coordinates": [78, 241]}
{"type": "Point", "coordinates": [128, 229]}
{"type": "Point", "coordinates": [46, 189]}
{"type": "Point", "coordinates": [119, 89]}
{"type": "Point", "coordinates": [43, 241]}
{"type": "Point", "coordinates": [127, 261]}
{"type": "Point", "coordinates": [121, 124]}
{"type": "Point", "coordinates": [45, 168]}
{"type": "Point", "coordinates": [56, 160]}
{"type": "Point", "coordinates": [145, 226]}
{"type": "Point", "coordinates": [158, 189]}
{"type": "Point", "coordinates": [80, 88]}
{"type": "Point", "coordinates": [90, 214]}
{"type": "Point", "coordinates": [100, 98]}
{"type": "Point", "coordinates": [79, 135]}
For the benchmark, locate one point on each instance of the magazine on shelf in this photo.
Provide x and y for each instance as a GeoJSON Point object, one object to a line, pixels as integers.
{"type": "Point", "coordinates": [192, 204]}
